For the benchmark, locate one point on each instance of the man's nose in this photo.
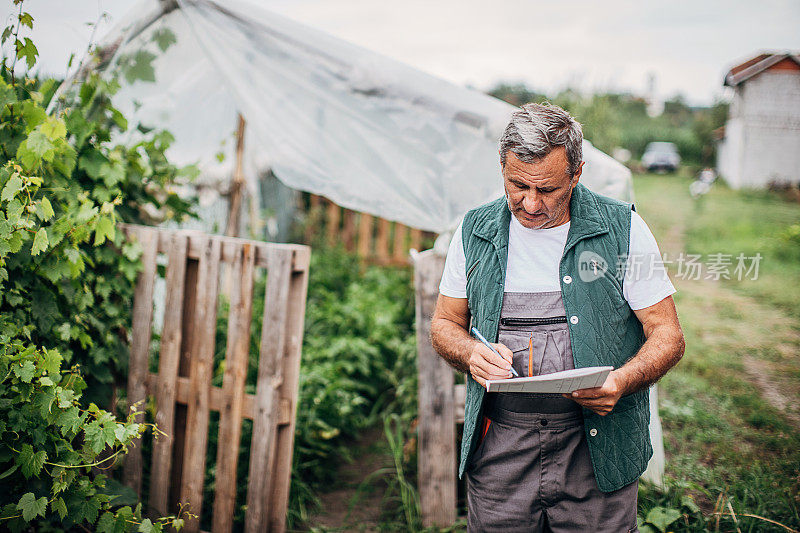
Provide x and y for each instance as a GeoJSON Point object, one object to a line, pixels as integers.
{"type": "Point", "coordinates": [532, 202]}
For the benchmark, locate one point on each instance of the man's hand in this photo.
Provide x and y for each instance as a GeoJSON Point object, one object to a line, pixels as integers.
{"type": "Point", "coordinates": [601, 400]}
{"type": "Point", "coordinates": [484, 363]}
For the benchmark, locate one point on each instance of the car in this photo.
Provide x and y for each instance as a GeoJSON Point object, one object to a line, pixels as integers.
{"type": "Point", "coordinates": [661, 157]}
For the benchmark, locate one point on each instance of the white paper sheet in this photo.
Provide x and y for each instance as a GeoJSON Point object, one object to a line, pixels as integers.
{"type": "Point", "coordinates": [557, 382]}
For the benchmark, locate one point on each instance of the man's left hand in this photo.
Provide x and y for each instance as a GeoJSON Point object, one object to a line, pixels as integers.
{"type": "Point", "coordinates": [601, 400]}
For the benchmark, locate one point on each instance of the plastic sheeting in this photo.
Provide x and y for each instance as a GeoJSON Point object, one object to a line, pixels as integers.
{"type": "Point", "coordinates": [326, 116]}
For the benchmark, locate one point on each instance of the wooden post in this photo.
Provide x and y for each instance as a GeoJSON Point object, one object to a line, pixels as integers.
{"type": "Point", "coordinates": [140, 348]}
{"type": "Point", "coordinates": [235, 196]}
{"type": "Point", "coordinates": [202, 370]}
{"type": "Point", "coordinates": [364, 236]}
{"type": "Point", "coordinates": [314, 217]}
{"type": "Point", "coordinates": [233, 381]}
{"type": "Point", "coordinates": [400, 254]}
{"type": "Point", "coordinates": [382, 244]}
{"type": "Point", "coordinates": [437, 413]}
{"type": "Point", "coordinates": [284, 438]}
{"type": "Point", "coordinates": [416, 239]}
{"type": "Point", "coordinates": [334, 213]}
{"type": "Point", "coordinates": [349, 230]}
{"type": "Point", "coordinates": [169, 359]}
{"type": "Point", "coordinates": [184, 364]}
{"type": "Point", "coordinates": [274, 337]}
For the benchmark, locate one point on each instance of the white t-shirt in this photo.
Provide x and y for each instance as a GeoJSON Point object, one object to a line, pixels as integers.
{"type": "Point", "coordinates": [534, 256]}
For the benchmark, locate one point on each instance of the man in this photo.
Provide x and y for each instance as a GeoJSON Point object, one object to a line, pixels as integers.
{"type": "Point", "coordinates": [547, 284]}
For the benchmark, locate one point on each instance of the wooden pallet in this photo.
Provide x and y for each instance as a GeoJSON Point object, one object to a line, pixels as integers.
{"type": "Point", "coordinates": [182, 386]}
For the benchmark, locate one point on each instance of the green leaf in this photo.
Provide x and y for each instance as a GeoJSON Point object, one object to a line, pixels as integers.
{"type": "Point", "coordinates": [688, 502]}
{"type": "Point", "coordinates": [25, 371]}
{"type": "Point", "coordinates": [146, 526]}
{"type": "Point", "coordinates": [58, 506]}
{"type": "Point", "coordinates": [44, 210]}
{"type": "Point", "coordinates": [104, 228]}
{"type": "Point", "coordinates": [98, 435]}
{"type": "Point", "coordinates": [13, 186]}
{"type": "Point", "coordinates": [54, 128]}
{"type": "Point", "coordinates": [26, 20]}
{"type": "Point", "coordinates": [662, 517]}
{"type": "Point", "coordinates": [31, 507]}
{"type": "Point", "coordinates": [164, 37]}
{"type": "Point", "coordinates": [40, 242]}
{"type": "Point", "coordinates": [28, 51]}
{"type": "Point", "coordinates": [69, 420]}
{"type": "Point", "coordinates": [65, 397]}
{"type": "Point", "coordinates": [92, 162]}
{"type": "Point", "coordinates": [40, 145]}
{"type": "Point", "coordinates": [106, 523]}
{"type": "Point", "coordinates": [112, 173]}
{"type": "Point", "coordinates": [51, 361]}
{"type": "Point", "coordinates": [30, 463]}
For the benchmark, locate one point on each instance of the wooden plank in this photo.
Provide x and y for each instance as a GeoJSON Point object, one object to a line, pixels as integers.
{"type": "Point", "coordinates": [169, 356]}
{"type": "Point", "coordinates": [313, 218]}
{"type": "Point", "coordinates": [237, 184]}
{"type": "Point", "coordinates": [382, 244]}
{"type": "Point", "coordinates": [184, 363]}
{"type": "Point", "coordinates": [349, 230]}
{"type": "Point", "coordinates": [400, 254]}
{"type": "Point", "coordinates": [416, 239]}
{"type": "Point", "coordinates": [141, 333]}
{"type": "Point", "coordinates": [197, 397]}
{"type": "Point", "coordinates": [437, 450]}
{"type": "Point", "coordinates": [233, 382]}
{"type": "Point", "coordinates": [216, 399]}
{"type": "Point", "coordinates": [332, 224]}
{"type": "Point", "coordinates": [194, 250]}
{"type": "Point", "coordinates": [270, 374]}
{"type": "Point", "coordinates": [284, 440]}
{"type": "Point", "coordinates": [460, 400]}
{"type": "Point", "coordinates": [364, 236]}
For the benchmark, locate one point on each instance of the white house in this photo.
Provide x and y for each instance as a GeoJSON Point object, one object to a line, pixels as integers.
{"type": "Point", "coordinates": [761, 143]}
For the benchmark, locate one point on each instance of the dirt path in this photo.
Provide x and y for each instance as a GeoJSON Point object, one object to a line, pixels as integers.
{"type": "Point", "coordinates": [354, 502]}
{"type": "Point", "coordinates": [761, 373]}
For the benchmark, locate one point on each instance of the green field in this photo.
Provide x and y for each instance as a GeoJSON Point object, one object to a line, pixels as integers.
{"type": "Point", "coordinates": [729, 409]}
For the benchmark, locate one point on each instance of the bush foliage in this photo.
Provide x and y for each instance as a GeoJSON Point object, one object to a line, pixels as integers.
{"type": "Point", "coordinates": [66, 282]}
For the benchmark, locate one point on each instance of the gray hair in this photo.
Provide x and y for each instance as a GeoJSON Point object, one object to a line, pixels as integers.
{"type": "Point", "coordinates": [535, 129]}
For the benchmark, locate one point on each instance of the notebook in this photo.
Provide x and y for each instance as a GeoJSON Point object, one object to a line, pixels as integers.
{"type": "Point", "coordinates": [557, 382]}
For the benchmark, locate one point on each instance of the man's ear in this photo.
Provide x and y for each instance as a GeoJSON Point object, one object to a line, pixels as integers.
{"type": "Point", "coordinates": [577, 176]}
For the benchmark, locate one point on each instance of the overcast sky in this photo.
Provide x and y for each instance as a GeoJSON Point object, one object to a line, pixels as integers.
{"type": "Point", "coordinates": [588, 44]}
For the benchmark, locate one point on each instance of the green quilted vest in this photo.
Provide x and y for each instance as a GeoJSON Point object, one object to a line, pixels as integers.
{"type": "Point", "coordinates": [602, 327]}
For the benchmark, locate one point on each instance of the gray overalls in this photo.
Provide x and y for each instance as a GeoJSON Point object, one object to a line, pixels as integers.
{"type": "Point", "coordinates": [532, 470]}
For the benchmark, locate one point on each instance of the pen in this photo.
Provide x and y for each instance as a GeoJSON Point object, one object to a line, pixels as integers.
{"type": "Point", "coordinates": [484, 341]}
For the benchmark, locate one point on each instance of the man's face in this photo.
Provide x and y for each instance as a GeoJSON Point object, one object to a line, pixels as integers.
{"type": "Point", "coordinates": [538, 193]}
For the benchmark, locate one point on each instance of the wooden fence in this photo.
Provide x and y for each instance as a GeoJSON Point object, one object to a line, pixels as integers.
{"type": "Point", "coordinates": [376, 240]}
{"type": "Point", "coordinates": [182, 387]}
{"type": "Point", "coordinates": [441, 405]}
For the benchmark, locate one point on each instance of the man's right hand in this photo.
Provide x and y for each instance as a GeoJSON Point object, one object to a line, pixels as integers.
{"type": "Point", "coordinates": [484, 364]}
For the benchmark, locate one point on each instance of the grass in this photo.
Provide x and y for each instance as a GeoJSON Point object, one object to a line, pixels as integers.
{"type": "Point", "coordinates": [725, 440]}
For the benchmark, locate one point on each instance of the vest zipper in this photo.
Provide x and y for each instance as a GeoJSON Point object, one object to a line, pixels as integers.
{"type": "Point", "coordinates": [533, 321]}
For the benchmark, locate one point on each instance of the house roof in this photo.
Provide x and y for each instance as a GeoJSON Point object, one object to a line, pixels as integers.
{"type": "Point", "coordinates": [767, 60]}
